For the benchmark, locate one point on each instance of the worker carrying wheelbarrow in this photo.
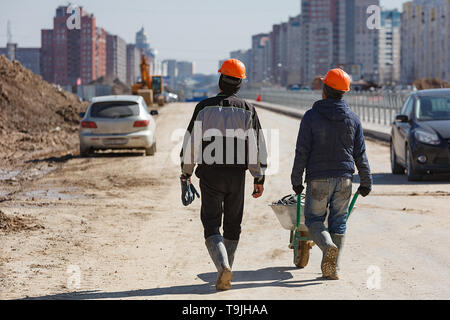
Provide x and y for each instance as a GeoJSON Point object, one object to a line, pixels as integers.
{"type": "Point", "coordinates": [224, 138]}
{"type": "Point", "coordinates": [330, 141]}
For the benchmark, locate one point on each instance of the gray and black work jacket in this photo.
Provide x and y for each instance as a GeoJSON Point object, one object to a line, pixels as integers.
{"type": "Point", "coordinates": [225, 131]}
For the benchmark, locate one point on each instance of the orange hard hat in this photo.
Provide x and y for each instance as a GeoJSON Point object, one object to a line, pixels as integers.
{"type": "Point", "coordinates": [233, 68]}
{"type": "Point", "coordinates": [337, 79]}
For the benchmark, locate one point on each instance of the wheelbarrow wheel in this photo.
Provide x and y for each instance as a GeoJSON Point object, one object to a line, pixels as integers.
{"type": "Point", "coordinates": [302, 251]}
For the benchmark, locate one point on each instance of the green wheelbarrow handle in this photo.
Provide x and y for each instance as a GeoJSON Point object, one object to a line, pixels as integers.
{"type": "Point", "coordinates": [352, 204]}
{"type": "Point", "coordinates": [299, 209]}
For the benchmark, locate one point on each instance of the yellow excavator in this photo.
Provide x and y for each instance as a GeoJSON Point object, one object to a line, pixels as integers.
{"type": "Point", "coordinates": [151, 88]}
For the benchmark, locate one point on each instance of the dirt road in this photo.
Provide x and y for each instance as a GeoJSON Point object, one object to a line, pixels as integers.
{"type": "Point", "coordinates": [113, 227]}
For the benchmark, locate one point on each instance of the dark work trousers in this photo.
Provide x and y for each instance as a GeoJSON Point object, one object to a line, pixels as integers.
{"type": "Point", "coordinates": [222, 193]}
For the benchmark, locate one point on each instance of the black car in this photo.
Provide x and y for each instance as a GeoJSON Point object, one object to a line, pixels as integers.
{"type": "Point", "coordinates": [420, 137]}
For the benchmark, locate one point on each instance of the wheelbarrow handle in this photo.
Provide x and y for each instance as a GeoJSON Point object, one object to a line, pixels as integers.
{"type": "Point", "coordinates": [352, 204]}
{"type": "Point", "coordinates": [299, 209]}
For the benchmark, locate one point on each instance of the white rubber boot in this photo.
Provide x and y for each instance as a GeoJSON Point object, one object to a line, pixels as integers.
{"type": "Point", "coordinates": [338, 240]}
{"type": "Point", "coordinates": [231, 246]}
{"type": "Point", "coordinates": [219, 256]}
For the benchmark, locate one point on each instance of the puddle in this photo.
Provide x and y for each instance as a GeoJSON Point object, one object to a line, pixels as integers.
{"type": "Point", "coordinates": [26, 173]}
{"type": "Point", "coordinates": [36, 172]}
{"type": "Point", "coordinates": [8, 175]}
{"type": "Point", "coordinates": [51, 194]}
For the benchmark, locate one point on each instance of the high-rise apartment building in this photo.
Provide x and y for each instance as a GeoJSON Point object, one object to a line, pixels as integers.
{"type": "Point", "coordinates": [336, 33]}
{"type": "Point", "coordinates": [185, 69]}
{"type": "Point", "coordinates": [294, 51]}
{"type": "Point", "coordinates": [259, 71]}
{"type": "Point", "coordinates": [99, 69]}
{"type": "Point", "coordinates": [278, 54]}
{"type": "Point", "coordinates": [133, 64]}
{"type": "Point", "coordinates": [46, 63]}
{"type": "Point", "coordinates": [425, 47]}
{"type": "Point", "coordinates": [366, 40]}
{"type": "Point", "coordinates": [116, 57]}
{"type": "Point", "coordinates": [273, 55]}
{"type": "Point", "coordinates": [175, 72]}
{"type": "Point", "coordinates": [319, 20]}
{"type": "Point", "coordinates": [142, 42]}
{"type": "Point", "coordinates": [156, 62]}
{"type": "Point", "coordinates": [389, 47]}
{"type": "Point", "coordinates": [169, 68]}
{"type": "Point", "coordinates": [71, 54]}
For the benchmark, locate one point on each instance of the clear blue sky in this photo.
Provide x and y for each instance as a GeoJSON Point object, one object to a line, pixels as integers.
{"type": "Point", "coordinates": [203, 31]}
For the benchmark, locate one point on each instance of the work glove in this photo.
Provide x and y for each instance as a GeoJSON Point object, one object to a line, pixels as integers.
{"type": "Point", "coordinates": [258, 190]}
{"type": "Point", "coordinates": [364, 191]}
{"type": "Point", "coordinates": [188, 191]}
{"type": "Point", "coordinates": [298, 189]}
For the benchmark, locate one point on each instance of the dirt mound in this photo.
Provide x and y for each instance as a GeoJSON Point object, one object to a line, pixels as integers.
{"type": "Point", "coordinates": [36, 118]}
{"type": "Point", "coordinates": [15, 223]}
{"type": "Point", "coordinates": [117, 86]}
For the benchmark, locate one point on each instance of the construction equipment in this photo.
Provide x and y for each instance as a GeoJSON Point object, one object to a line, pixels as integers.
{"type": "Point", "coordinates": [151, 88]}
{"type": "Point", "coordinates": [288, 211]}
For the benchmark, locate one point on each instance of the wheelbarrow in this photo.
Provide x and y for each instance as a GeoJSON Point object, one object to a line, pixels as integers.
{"type": "Point", "coordinates": [288, 211]}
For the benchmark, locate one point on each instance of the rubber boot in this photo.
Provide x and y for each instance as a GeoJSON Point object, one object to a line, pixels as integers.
{"type": "Point", "coordinates": [231, 246]}
{"type": "Point", "coordinates": [338, 240]}
{"type": "Point", "coordinates": [218, 253]}
{"type": "Point", "coordinates": [322, 238]}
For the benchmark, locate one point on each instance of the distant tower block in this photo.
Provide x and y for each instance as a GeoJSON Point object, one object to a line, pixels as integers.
{"type": "Point", "coordinates": [9, 33]}
{"type": "Point", "coordinates": [10, 47]}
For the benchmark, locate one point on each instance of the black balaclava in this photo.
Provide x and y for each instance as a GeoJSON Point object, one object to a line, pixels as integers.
{"type": "Point", "coordinates": [331, 93]}
{"type": "Point", "coordinates": [229, 85]}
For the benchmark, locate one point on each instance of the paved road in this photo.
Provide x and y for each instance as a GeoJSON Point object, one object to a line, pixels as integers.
{"type": "Point", "coordinates": [115, 228]}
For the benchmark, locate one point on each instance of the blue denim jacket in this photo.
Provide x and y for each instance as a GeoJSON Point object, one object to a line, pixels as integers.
{"type": "Point", "coordinates": [330, 142]}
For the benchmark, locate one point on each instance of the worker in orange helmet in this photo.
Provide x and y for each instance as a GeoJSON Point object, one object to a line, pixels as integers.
{"type": "Point", "coordinates": [330, 142]}
{"type": "Point", "coordinates": [231, 141]}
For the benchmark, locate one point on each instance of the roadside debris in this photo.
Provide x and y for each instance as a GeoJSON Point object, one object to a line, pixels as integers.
{"type": "Point", "coordinates": [16, 223]}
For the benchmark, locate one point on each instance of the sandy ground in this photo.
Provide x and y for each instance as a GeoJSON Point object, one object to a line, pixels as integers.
{"type": "Point", "coordinates": [113, 227]}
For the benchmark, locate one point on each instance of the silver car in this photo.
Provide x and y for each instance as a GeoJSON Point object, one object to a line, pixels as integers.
{"type": "Point", "coordinates": [117, 122]}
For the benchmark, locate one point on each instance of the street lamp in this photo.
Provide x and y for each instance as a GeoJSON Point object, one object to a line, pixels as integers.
{"type": "Point", "coordinates": [279, 73]}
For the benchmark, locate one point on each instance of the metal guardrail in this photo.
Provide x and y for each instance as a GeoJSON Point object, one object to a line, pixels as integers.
{"type": "Point", "coordinates": [376, 107]}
